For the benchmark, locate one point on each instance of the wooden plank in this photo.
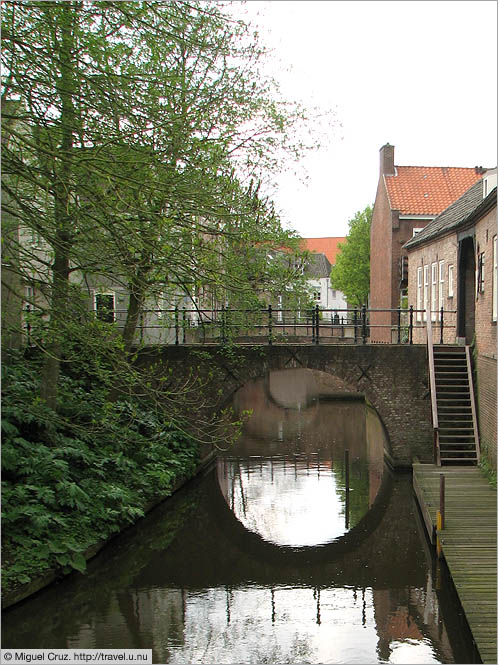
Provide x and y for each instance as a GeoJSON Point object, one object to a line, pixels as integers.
{"type": "Point", "coordinates": [468, 540]}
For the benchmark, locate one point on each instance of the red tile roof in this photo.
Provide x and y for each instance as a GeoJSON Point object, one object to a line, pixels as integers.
{"type": "Point", "coordinates": [428, 190]}
{"type": "Point", "coordinates": [327, 246]}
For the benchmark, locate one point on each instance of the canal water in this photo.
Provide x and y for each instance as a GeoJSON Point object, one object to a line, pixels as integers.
{"type": "Point", "coordinates": [298, 545]}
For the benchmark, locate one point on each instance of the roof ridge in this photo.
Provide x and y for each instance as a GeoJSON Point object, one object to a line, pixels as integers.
{"type": "Point", "coordinates": [422, 166]}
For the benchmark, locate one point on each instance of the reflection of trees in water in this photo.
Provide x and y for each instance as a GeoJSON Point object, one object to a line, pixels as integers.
{"type": "Point", "coordinates": [272, 495]}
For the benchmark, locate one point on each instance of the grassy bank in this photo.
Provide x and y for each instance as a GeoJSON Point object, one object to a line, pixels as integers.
{"type": "Point", "coordinates": [76, 477]}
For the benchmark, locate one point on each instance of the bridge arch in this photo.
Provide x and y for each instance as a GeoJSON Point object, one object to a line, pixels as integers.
{"type": "Point", "coordinates": [392, 378]}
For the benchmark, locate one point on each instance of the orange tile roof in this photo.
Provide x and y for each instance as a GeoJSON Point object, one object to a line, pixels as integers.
{"type": "Point", "coordinates": [428, 190]}
{"type": "Point", "coordinates": [327, 246]}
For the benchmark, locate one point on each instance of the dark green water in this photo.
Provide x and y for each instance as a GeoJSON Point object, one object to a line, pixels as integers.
{"type": "Point", "coordinates": [267, 558]}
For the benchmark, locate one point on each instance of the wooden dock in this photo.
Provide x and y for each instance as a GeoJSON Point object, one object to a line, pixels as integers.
{"type": "Point", "coordinates": [468, 542]}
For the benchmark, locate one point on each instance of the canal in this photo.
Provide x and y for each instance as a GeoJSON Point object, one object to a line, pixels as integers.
{"type": "Point", "coordinates": [298, 545]}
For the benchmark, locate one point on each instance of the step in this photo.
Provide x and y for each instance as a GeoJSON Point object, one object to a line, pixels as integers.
{"type": "Point", "coordinates": [453, 388]}
{"type": "Point", "coordinates": [447, 431]}
{"type": "Point", "coordinates": [453, 404]}
{"type": "Point", "coordinates": [458, 455]}
{"type": "Point", "coordinates": [450, 371]}
{"type": "Point", "coordinates": [442, 360]}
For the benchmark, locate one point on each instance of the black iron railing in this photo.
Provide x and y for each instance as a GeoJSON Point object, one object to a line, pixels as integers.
{"type": "Point", "coordinates": [279, 326]}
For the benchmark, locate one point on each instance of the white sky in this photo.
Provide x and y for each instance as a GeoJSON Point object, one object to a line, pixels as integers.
{"type": "Point", "coordinates": [419, 75]}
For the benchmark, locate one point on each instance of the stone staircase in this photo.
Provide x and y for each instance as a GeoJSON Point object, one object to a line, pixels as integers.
{"type": "Point", "coordinates": [458, 442]}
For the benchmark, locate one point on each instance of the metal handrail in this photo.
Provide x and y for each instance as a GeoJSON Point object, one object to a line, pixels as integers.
{"type": "Point", "coordinates": [473, 403]}
{"type": "Point", "coordinates": [432, 381]}
{"type": "Point", "coordinates": [277, 325]}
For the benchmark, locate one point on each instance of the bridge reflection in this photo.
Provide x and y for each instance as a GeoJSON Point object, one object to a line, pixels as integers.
{"type": "Point", "coordinates": [286, 480]}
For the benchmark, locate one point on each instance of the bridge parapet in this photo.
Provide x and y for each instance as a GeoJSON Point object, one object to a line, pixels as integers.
{"type": "Point", "coordinates": [393, 378]}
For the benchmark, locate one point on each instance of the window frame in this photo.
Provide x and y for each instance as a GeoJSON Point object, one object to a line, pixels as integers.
{"type": "Point", "coordinates": [419, 293]}
{"type": "Point", "coordinates": [426, 291]}
{"type": "Point", "coordinates": [451, 280]}
{"type": "Point", "coordinates": [480, 272]}
{"type": "Point", "coordinates": [434, 290]}
{"type": "Point", "coordinates": [441, 287]}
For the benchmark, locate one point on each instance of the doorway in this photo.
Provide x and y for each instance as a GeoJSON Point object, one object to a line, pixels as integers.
{"type": "Point", "coordinates": [466, 289]}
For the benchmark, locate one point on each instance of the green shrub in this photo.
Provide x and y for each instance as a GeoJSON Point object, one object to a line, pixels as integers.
{"type": "Point", "coordinates": [77, 476]}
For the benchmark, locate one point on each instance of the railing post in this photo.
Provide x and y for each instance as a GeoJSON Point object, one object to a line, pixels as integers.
{"type": "Point", "coordinates": [411, 324]}
{"type": "Point", "coordinates": [399, 325]}
{"type": "Point", "coordinates": [364, 323]}
{"type": "Point", "coordinates": [176, 324]}
{"type": "Point", "coordinates": [28, 326]}
{"type": "Point", "coordinates": [184, 324]}
{"type": "Point", "coordinates": [317, 319]}
{"type": "Point", "coordinates": [441, 341]}
{"type": "Point", "coordinates": [355, 324]}
{"type": "Point", "coordinates": [270, 326]}
{"type": "Point", "coordinates": [223, 331]}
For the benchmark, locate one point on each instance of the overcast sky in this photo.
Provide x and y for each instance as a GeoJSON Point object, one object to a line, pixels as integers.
{"type": "Point", "coordinates": [420, 75]}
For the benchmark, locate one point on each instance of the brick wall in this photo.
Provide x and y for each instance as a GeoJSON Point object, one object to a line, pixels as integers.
{"type": "Point", "coordinates": [380, 264]}
{"type": "Point", "coordinates": [443, 249]}
{"type": "Point", "coordinates": [485, 326]}
{"type": "Point", "coordinates": [486, 406]}
{"type": "Point", "coordinates": [392, 378]}
{"type": "Point", "coordinates": [486, 343]}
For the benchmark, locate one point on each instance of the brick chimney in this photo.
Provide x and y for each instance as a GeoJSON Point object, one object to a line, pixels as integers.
{"type": "Point", "coordinates": [387, 160]}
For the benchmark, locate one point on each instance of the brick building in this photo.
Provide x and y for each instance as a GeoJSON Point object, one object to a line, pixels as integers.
{"type": "Point", "coordinates": [453, 264]}
{"type": "Point", "coordinates": [407, 199]}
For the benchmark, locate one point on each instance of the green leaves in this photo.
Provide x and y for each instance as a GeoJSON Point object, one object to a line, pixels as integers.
{"type": "Point", "coordinates": [351, 273]}
{"type": "Point", "coordinates": [65, 492]}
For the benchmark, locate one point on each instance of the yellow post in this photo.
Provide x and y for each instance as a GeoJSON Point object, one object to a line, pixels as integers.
{"type": "Point", "coordinates": [439, 524]}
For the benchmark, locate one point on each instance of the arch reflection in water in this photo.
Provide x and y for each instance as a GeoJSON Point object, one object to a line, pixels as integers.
{"type": "Point", "coordinates": [286, 479]}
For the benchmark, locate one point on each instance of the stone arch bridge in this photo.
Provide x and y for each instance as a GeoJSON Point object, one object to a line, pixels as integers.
{"type": "Point", "coordinates": [393, 378]}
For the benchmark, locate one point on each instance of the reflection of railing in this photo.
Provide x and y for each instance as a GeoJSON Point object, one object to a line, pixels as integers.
{"type": "Point", "coordinates": [279, 326]}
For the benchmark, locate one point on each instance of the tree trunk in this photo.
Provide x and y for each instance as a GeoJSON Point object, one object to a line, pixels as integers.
{"type": "Point", "coordinates": [133, 313]}
{"type": "Point", "coordinates": [62, 202]}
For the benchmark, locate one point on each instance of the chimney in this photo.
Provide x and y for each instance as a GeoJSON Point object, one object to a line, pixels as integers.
{"type": "Point", "coordinates": [387, 160]}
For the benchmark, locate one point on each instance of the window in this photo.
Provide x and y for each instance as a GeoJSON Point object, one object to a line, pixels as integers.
{"type": "Point", "coordinates": [480, 273]}
{"type": "Point", "coordinates": [279, 305]}
{"type": "Point", "coordinates": [450, 281]}
{"type": "Point", "coordinates": [441, 284]}
{"type": "Point", "coordinates": [415, 231]}
{"type": "Point", "coordinates": [104, 307]}
{"type": "Point", "coordinates": [434, 291]}
{"type": "Point", "coordinates": [426, 290]}
{"type": "Point", "coordinates": [29, 297]}
{"type": "Point", "coordinates": [317, 295]}
{"type": "Point", "coordinates": [495, 282]}
{"type": "Point", "coordinates": [419, 294]}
